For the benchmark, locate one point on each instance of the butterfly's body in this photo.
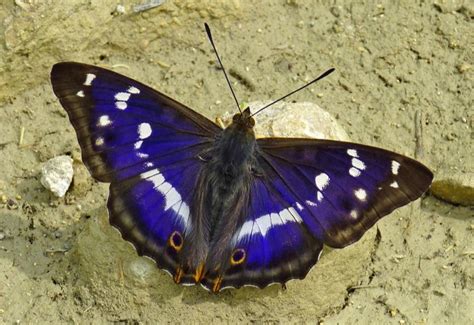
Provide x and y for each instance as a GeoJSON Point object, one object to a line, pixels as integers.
{"type": "Point", "coordinates": [224, 182]}
{"type": "Point", "coordinates": [219, 207]}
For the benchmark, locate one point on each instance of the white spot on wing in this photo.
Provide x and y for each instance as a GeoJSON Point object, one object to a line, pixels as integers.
{"type": "Point", "coordinates": [133, 90]}
{"type": "Point", "coordinates": [138, 144]}
{"type": "Point", "coordinates": [322, 180]}
{"type": "Point", "coordinates": [295, 214]}
{"type": "Point", "coordinates": [361, 194]}
{"type": "Point", "coordinates": [104, 120]}
{"type": "Point", "coordinates": [122, 96]}
{"type": "Point", "coordinates": [354, 214]}
{"type": "Point", "coordinates": [357, 163]}
{"type": "Point", "coordinates": [183, 212]}
{"type": "Point", "coordinates": [352, 153]}
{"type": "Point", "coordinates": [395, 167]}
{"type": "Point", "coordinates": [320, 196]}
{"type": "Point", "coordinates": [246, 228]}
{"type": "Point", "coordinates": [142, 155]}
{"type": "Point", "coordinates": [99, 141]}
{"type": "Point", "coordinates": [80, 93]}
{"type": "Point", "coordinates": [172, 197]}
{"type": "Point", "coordinates": [144, 130]}
{"type": "Point", "coordinates": [89, 78]}
{"type": "Point", "coordinates": [263, 224]}
{"type": "Point", "coordinates": [310, 203]}
{"type": "Point", "coordinates": [394, 184]}
{"type": "Point", "coordinates": [299, 206]}
{"type": "Point", "coordinates": [153, 176]}
{"type": "Point", "coordinates": [286, 216]}
{"type": "Point", "coordinates": [354, 172]}
{"type": "Point", "coordinates": [121, 105]}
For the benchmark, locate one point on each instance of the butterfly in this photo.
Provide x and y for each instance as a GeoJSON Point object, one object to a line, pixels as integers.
{"type": "Point", "coordinates": [217, 206]}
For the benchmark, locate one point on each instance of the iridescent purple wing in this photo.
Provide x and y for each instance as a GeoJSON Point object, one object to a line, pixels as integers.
{"type": "Point", "coordinates": [145, 144]}
{"type": "Point", "coordinates": [343, 188]}
{"type": "Point", "coordinates": [273, 245]}
{"type": "Point", "coordinates": [309, 192]}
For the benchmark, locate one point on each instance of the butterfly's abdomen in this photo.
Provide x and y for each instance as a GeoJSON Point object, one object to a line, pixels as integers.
{"type": "Point", "coordinates": [221, 197]}
{"type": "Point", "coordinates": [229, 168]}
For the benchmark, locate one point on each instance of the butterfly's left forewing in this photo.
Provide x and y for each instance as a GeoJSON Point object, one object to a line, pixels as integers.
{"type": "Point", "coordinates": [146, 145]}
{"type": "Point", "coordinates": [344, 188]}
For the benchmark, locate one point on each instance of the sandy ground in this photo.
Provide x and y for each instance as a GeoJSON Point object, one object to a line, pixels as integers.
{"type": "Point", "coordinates": [61, 262]}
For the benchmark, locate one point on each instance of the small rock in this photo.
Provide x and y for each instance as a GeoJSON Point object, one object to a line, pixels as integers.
{"type": "Point", "coordinates": [56, 175]}
{"type": "Point", "coordinates": [463, 67]}
{"type": "Point", "coordinates": [120, 10]}
{"type": "Point", "coordinates": [301, 120]}
{"type": "Point", "coordinates": [297, 120]}
{"type": "Point", "coordinates": [454, 187]}
{"type": "Point", "coordinates": [141, 268]}
{"type": "Point", "coordinates": [82, 180]}
{"type": "Point", "coordinates": [12, 204]}
{"type": "Point", "coordinates": [450, 6]}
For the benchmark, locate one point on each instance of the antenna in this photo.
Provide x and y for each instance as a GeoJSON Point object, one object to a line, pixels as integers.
{"type": "Point", "coordinates": [325, 74]}
{"type": "Point", "coordinates": [208, 31]}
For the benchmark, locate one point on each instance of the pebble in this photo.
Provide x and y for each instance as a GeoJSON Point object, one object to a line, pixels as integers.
{"type": "Point", "coordinates": [297, 120]}
{"type": "Point", "coordinates": [454, 186]}
{"type": "Point", "coordinates": [301, 120]}
{"type": "Point", "coordinates": [120, 9]}
{"type": "Point", "coordinates": [82, 180]}
{"type": "Point", "coordinates": [463, 67]}
{"type": "Point", "coordinates": [12, 204]}
{"type": "Point", "coordinates": [56, 175]}
{"type": "Point", "coordinates": [141, 268]}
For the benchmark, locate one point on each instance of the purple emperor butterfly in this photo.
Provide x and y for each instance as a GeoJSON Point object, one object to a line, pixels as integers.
{"type": "Point", "coordinates": [217, 206]}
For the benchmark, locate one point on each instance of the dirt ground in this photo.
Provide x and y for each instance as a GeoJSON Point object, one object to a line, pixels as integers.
{"type": "Point", "coordinates": [61, 262]}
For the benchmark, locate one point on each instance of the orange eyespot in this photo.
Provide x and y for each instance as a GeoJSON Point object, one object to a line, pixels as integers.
{"type": "Point", "coordinates": [176, 241]}
{"type": "Point", "coordinates": [238, 256]}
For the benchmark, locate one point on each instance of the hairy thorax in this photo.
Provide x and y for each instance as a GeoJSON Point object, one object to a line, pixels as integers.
{"type": "Point", "coordinates": [222, 193]}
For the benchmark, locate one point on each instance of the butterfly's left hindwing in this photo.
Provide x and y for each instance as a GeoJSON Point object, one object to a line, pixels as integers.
{"type": "Point", "coordinates": [146, 145]}
{"type": "Point", "coordinates": [273, 245]}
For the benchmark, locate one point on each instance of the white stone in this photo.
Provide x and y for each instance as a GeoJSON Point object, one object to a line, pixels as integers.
{"type": "Point", "coordinates": [141, 268]}
{"type": "Point", "coordinates": [300, 120]}
{"type": "Point", "coordinates": [56, 175]}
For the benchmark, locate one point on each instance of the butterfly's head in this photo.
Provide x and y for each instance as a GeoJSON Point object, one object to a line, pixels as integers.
{"type": "Point", "coordinates": [244, 120]}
